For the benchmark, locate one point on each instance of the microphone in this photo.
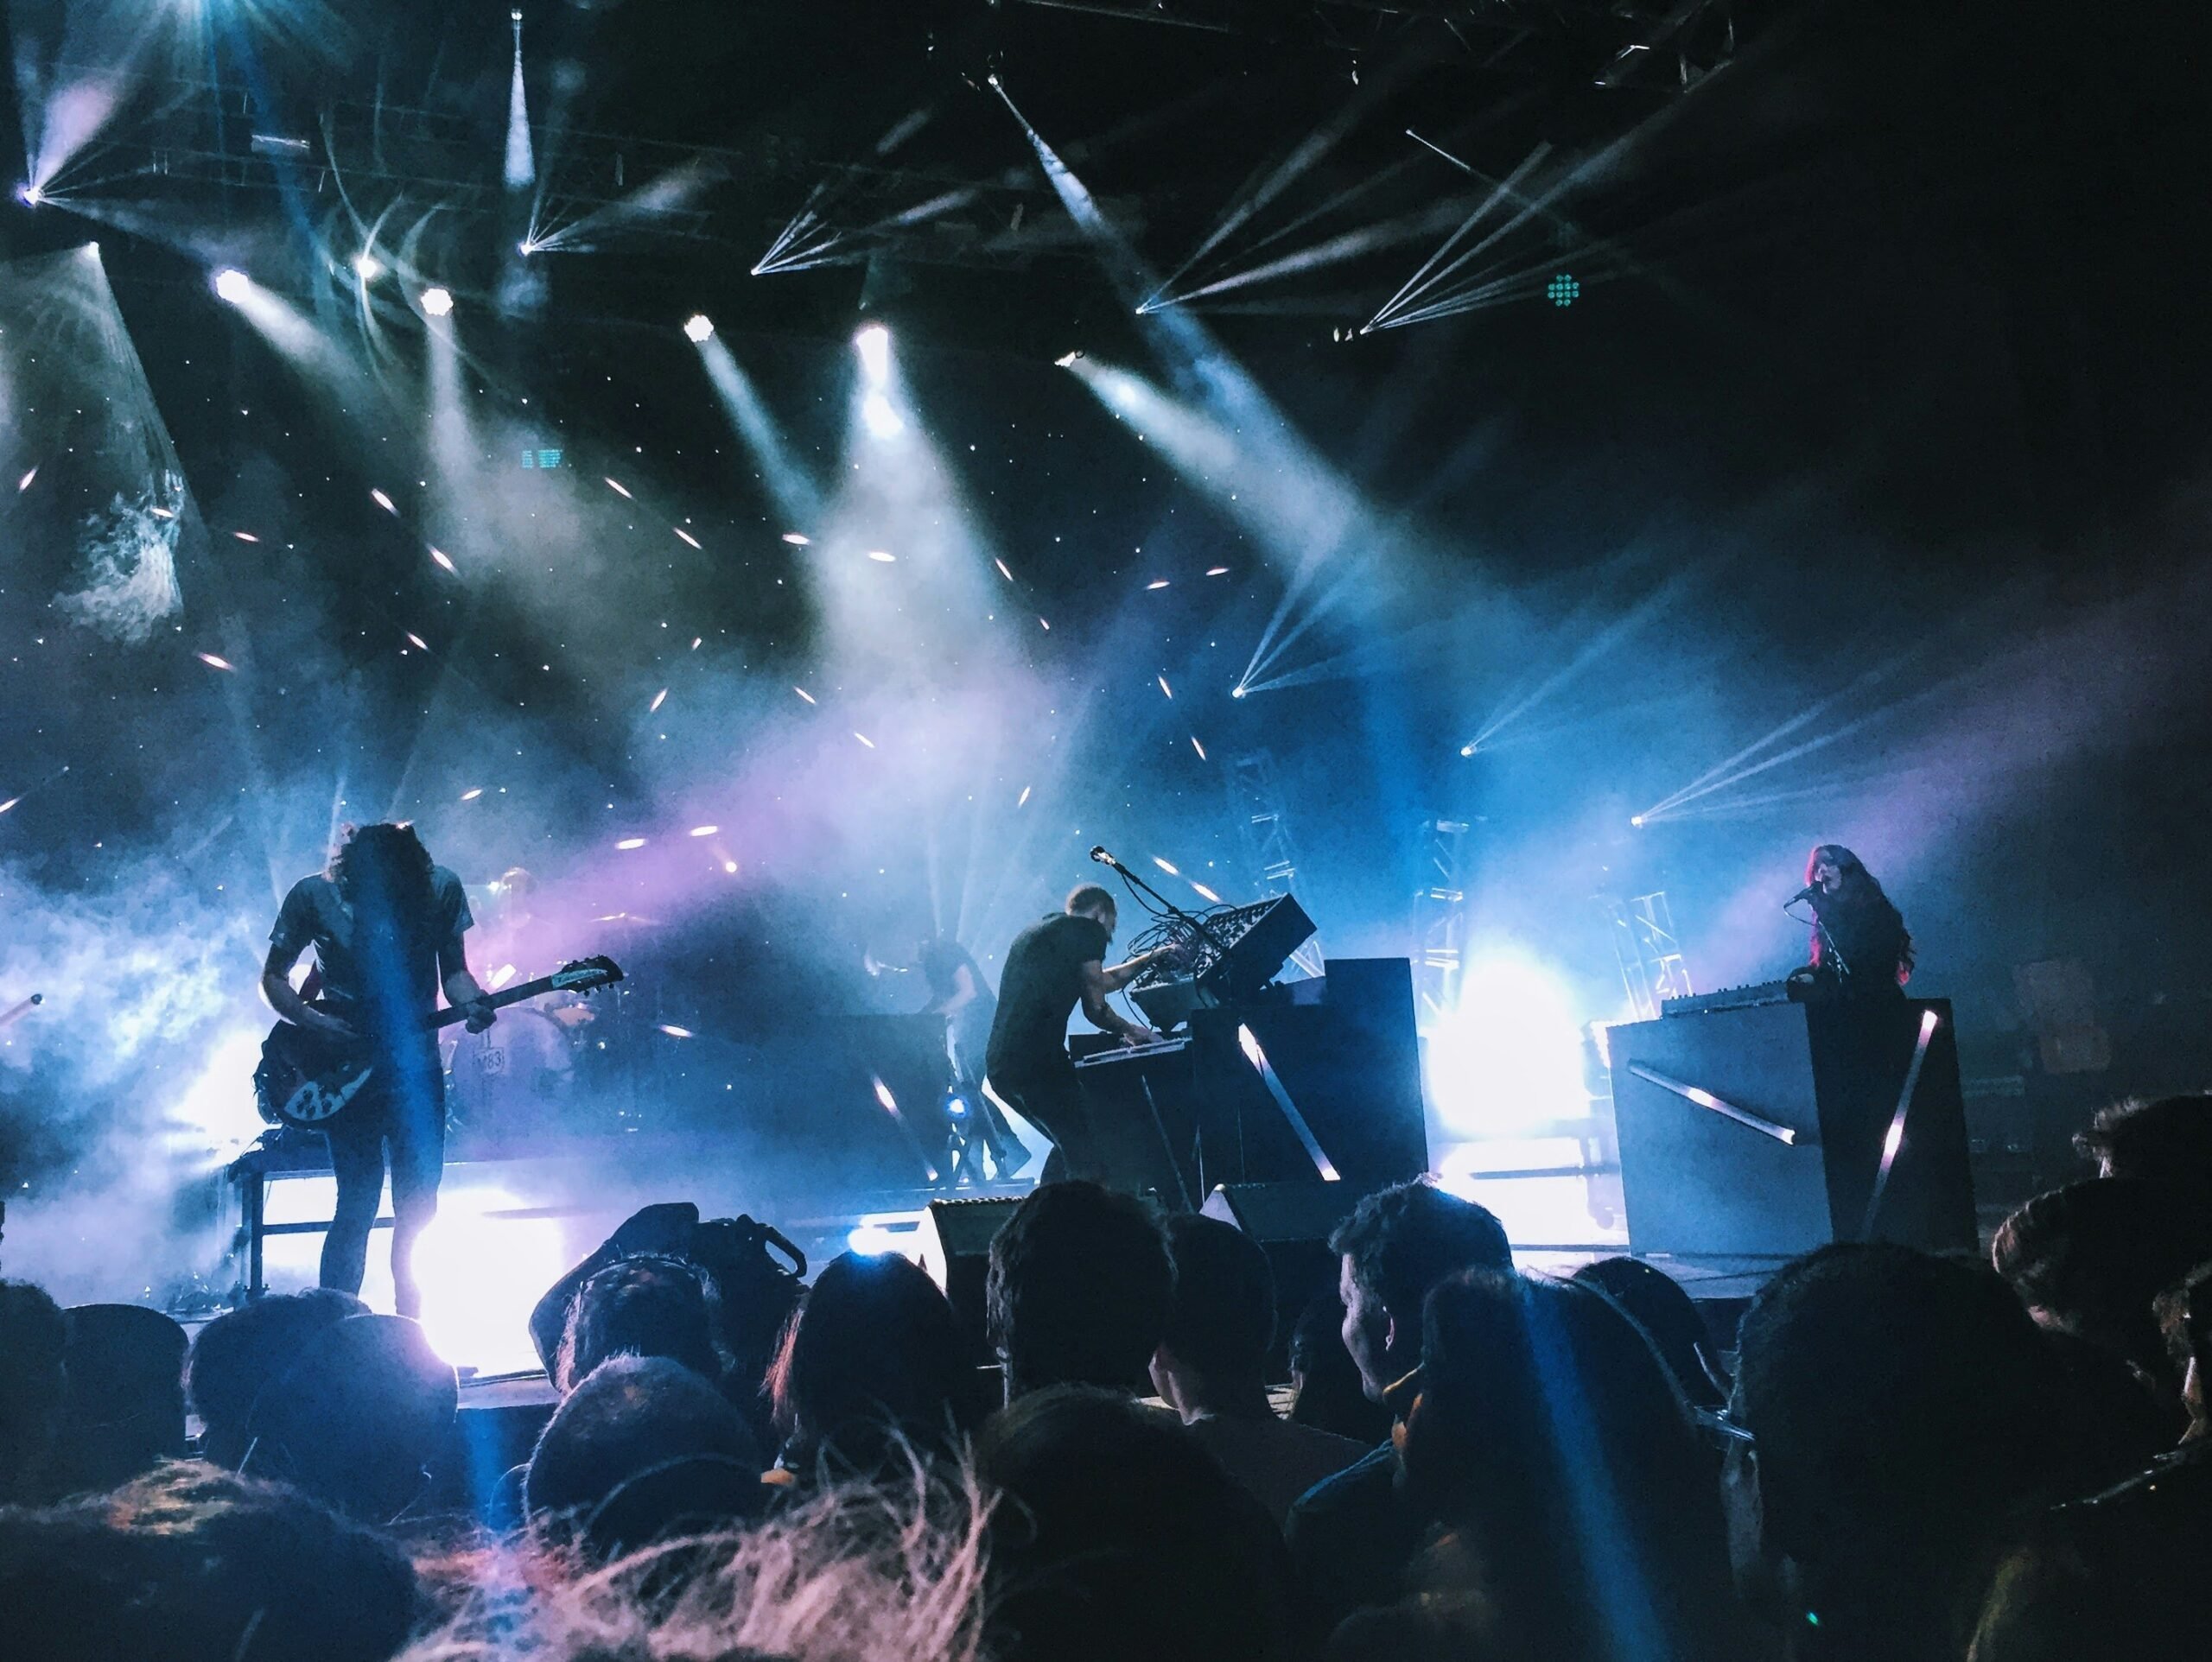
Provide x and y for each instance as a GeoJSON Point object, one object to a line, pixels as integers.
{"type": "Point", "coordinates": [1810, 891]}
{"type": "Point", "coordinates": [1099, 854]}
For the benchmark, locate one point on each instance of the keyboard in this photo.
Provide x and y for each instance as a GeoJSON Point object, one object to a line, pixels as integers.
{"type": "Point", "coordinates": [1731, 998]}
{"type": "Point", "coordinates": [1121, 1053]}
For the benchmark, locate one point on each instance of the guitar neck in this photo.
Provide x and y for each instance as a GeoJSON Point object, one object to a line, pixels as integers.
{"type": "Point", "coordinates": [446, 1017]}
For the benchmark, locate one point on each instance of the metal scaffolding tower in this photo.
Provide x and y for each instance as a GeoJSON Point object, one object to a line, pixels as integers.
{"type": "Point", "coordinates": [1650, 957]}
{"type": "Point", "coordinates": [1256, 802]}
{"type": "Point", "coordinates": [1439, 917]}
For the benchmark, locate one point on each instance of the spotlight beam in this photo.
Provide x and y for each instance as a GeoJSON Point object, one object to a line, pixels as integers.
{"type": "Point", "coordinates": [1652, 605]}
{"type": "Point", "coordinates": [1309, 151]}
{"type": "Point", "coordinates": [1501, 192]}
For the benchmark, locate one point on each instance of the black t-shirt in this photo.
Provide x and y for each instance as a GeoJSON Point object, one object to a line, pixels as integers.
{"type": "Point", "coordinates": [942, 962]}
{"type": "Point", "coordinates": [316, 914]}
{"type": "Point", "coordinates": [1039, 990]}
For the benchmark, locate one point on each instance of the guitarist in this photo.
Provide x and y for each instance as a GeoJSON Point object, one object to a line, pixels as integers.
{"type": "Point", "coordinates": [386, 926]}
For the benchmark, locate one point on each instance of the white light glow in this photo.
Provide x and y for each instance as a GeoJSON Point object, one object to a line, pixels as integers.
{"type": "Point", "coordinates": [367, 266]}
{"type": "Point", "coordinates": [1511, 1057]}
{"type": "Point", "coordinates": [878, 417]}
{"type": "Point", "coordinates": [705, 830]}
{"type": "Point", "coordinates": [437, 302]}
{"type": "Point", "coordinates": [700, 329]}
{"type": "Point", "coordinates": [797, 539]}
{"type": "Point", "coordinates": [481, 1275]}
{"type": "Point", "coordinates": [879, 1232]}
{"type": "Point", "coordinates": [874, 344]}
{"type": "Point", "coordinates": [232, 286]}
{"type": "Point", "coordinates": [628, 843]}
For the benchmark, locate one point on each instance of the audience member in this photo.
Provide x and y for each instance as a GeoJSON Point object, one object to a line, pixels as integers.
{"type": "Point", "coordinates": [238, 1353]}
{"type": "Point", "coordinates": [860, 1573]}
{"type": "Point", "coordinates": [1352, 1535]}
{"type": "Point", "coordinates": [2167, 1138]}
{"type": "Point", "coordinates": [2115, 1574]}
{"type": "Point", "coordinates": [1078, 1290]}
{"type": "Point", "coordinates": [2092, 1258]}
{"type": "Point", "coordinates": [2185, 1312]}
{"type": "Point", "coordinates": [1655, 1302]}
{"type": "Point", "coordinates": [1327, 1390]}
{"type": "Point", "coordinates": [1551, 1441]}
{"type": "Point", "coordinates": [750, 1294]}
{"type": "Point", "coordinates": [1211, 1366]}
{"type": "Point", "coordinates": [641, 1449]}
{"type": "Point", "coordinates": [34, 1341]}
{"type": "Point", "coordinates": [356, 1420]}
{"type": "Point", "coordinates": [874, 1362]}
{"type": "Point", "coordinates": [123, 1413]}
{"type": "Point", "coordinates": [1115, 1536]}
{"type": "Point", "coordinates": [1903, 1421]}
{"type": "Point", "coordinates": [648, 1305]}
{"type": "Point", "coordinates": [193, 1564]}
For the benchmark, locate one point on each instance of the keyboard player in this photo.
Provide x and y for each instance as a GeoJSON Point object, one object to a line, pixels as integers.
{"type": "Point", "coordinates": [1053, 966]}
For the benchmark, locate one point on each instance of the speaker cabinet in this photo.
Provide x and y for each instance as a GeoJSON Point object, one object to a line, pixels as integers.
{"type": "Point", "coordinates": [955, 1250]}
{"type": "Point", "coordinates": [1292, 1223]}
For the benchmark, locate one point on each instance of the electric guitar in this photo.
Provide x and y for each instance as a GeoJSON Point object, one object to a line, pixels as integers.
{"type": "Point", "coordinates": [307, 1078]}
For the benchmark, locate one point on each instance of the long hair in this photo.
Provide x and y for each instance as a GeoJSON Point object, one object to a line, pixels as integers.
{"type": "Point", "coordinates": [384, 873]}
{"type": "Point", "coordinates": [1857, 889]}
{"type": "Point", "coordinates": [385, 868]}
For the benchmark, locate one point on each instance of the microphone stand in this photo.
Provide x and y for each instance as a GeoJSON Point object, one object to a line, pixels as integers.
{"type": "Point", "coordinates": [1821, 928]}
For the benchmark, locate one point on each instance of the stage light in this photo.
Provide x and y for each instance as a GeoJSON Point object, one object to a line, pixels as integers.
{"type": "Point", "coordinates": [367, 266]}
{"type": "Point", "coordinates": [880, 419]}
{"type": "Point", "coordinates": [525, 248]}
{"type": "Point", "coordinates": [1237, 692]}
{"type": "Point", "coordinates": [1509, 1056]}
{"type": "Point", "coordinates": [1637, 820]}
{"type": "Point", "coordinates": [1467, 750]}
{"type": "Point", "coordinates": [29, 195]}
{"type": "Point", "coordinates": [481, 1269]}
{"type": "Point", "coordinates": [1563, 289]}
{"type": "Point", "coordinates": [437, 302]}
{"type": "Point", "coordinates": [874, 344]}
{"type": "Point", "coordinates": [699, 330]}
{"type": "Point", "coordinates": [1066, 360]}
{"type": "Point", "coordinates": [232, 286]}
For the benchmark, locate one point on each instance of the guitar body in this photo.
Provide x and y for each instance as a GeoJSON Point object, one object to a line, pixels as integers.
{"type": "Point", "coordinates": [307, 1079]}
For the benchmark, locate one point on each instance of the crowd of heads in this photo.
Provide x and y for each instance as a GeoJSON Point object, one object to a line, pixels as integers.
{"type": "Point", "coordinates": [1123, 1452]}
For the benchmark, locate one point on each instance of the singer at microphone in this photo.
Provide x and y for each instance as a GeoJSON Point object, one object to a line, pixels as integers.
{"type": "Point", "coordinates": [1860, 945]}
